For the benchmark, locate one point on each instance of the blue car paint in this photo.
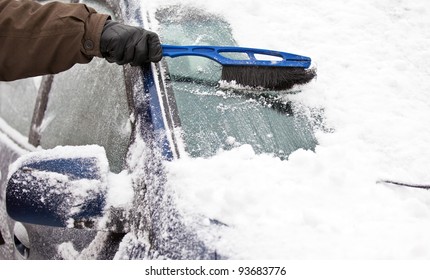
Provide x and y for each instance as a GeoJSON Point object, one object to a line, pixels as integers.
{"type": "Point", "coordinates": [154, 114]}
{"type": "Point", "coordinates": [39, 203]}
{"type": "Point", "coordinates": [77, 168]}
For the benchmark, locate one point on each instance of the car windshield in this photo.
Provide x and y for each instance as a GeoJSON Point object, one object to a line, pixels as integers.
{"type": "Point", "coordinates": [214, 118]}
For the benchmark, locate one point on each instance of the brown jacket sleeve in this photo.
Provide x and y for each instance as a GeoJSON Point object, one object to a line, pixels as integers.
{"type": "Point", "coordinates": [40, 39]}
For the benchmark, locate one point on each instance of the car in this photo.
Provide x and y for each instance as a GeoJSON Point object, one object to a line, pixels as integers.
{"type": "Point", "coordinates": [83, 152]}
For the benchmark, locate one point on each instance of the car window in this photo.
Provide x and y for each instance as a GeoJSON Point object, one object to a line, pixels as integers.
{"type": "Point", "coordinates": [212, 118]}
{"type": "Point", "coordinates": [88, 105]}
{"type": "Point", "coordinates": [17, 101]}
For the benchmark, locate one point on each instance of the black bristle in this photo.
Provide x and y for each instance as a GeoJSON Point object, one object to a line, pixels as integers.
{"type": "Point", "coordinates": [274, 78]}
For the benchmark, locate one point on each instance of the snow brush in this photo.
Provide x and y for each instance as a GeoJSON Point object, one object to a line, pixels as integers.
{"type": "Point", "coordinates": [282, 72]}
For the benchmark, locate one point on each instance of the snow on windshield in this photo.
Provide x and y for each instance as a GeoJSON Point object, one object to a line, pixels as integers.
{"type": "Point", "coordinates": [372, 63]}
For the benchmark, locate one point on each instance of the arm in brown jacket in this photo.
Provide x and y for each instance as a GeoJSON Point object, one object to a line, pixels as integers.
{"type": "Point", "coordinates": [40, 39]}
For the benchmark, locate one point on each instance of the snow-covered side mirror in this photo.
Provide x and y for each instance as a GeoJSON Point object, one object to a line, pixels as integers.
{"type": "Point", "coordinates": [63, 187]}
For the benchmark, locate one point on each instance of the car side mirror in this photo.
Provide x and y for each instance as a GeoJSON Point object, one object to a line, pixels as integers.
{"type": "Point", "coordinates": [63, 187]}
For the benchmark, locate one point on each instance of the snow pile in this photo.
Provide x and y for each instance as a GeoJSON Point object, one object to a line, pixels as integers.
{"type": "Point", "coordinates": [64, 152]}
{"type": "Point", "coordinates": [120, 191]}
{"type": "Point", "coordinates": [373, 82]}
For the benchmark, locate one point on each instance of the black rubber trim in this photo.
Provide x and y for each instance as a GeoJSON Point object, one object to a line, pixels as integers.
{"type": "Point", "coordinates": [2, 242]}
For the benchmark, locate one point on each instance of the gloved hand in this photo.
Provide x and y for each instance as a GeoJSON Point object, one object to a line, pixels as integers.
{"type": "Point", "coordinates": [123, 44]}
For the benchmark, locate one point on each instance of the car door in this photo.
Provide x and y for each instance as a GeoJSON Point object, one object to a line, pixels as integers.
{"type": "Point", "coordinates": [85, 105]}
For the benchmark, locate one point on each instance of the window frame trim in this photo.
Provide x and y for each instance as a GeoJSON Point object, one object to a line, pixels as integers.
{"type": "Point", "coordinates": [42, 99]}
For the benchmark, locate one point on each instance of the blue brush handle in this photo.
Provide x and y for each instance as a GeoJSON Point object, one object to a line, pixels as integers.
{"type": "Point", "coordinates": [215, 53]}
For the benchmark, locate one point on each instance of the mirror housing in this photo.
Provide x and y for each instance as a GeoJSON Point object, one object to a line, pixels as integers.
{"type": "Point", "coordinates": [62, 187]}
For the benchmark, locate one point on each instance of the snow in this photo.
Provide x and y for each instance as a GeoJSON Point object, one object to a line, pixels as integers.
{"type": "Point", "coordinates": [64, 152]}
{"type": "Point", "coordinates": [372, 60]}
{"type": "Point", "coordinates": [373, 83]}
{"type": "Point", "coordinates": [120, 192]}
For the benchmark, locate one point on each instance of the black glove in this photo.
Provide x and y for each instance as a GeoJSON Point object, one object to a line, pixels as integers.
{"type": "Point", "coordinates": [123, 44]}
